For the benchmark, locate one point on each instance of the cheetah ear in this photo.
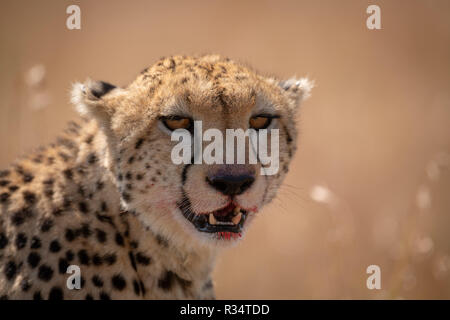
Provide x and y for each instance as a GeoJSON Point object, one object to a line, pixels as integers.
{"type": "Point", "coordinates": [297, 89]}
{"type": "Point", "coordinates": [90, 100]}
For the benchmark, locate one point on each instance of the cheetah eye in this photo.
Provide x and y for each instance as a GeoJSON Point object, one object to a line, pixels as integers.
{"type": "Point", "coordinates": [177, 122]}
{"type": "Point", "coordinates": [261, 121]}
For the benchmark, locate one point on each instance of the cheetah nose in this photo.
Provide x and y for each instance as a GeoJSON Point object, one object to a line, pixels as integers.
{"type": "Point", "coordinates": [231, 185]}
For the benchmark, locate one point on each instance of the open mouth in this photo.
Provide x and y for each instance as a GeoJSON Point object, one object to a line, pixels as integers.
{"type": "Point", "coordinates": [228, 219]}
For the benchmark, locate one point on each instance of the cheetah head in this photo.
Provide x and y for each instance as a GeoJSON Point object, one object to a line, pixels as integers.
{"type": "Point", "coordinates": [199, 203]}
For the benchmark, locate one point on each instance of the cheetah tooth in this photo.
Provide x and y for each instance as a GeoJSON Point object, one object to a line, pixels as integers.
{"type": "Point", "coordinates": [236, 219]}
{"type": "Point", "coordinates": [236, 210]}
{"type": "Point", "coordinates": [212, 219]}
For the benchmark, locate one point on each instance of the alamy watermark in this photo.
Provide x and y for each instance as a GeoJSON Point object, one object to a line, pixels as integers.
{"type": "Point", "coordinates": [374, 20]}
{"type": "Point", "coordinates": [73, 21]}
{"type": "Point", "coordinates": [188, 151]}
{"type": "Point", "coordinates": [74, 281]}
{"type": "Point", "coordinates": [374, 280]}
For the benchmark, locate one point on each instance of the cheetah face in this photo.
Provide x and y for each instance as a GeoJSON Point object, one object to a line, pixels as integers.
{"type": "Point", "coordinates": [197, 202]}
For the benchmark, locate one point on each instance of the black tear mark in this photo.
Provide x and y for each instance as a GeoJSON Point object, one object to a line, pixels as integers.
{"type": "Point", "coordinates": [184, 173]}
{"type": "Point", "coordinates": [288, 136]}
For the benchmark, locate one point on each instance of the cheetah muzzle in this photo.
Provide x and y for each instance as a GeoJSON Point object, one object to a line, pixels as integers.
{"type": "Point", "coordinates": [226, 220]}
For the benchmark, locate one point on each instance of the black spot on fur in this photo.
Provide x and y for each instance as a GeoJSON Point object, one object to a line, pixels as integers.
{"type": "Point", "coordinates": [104, 296]}
{"type": "Point", "coordinates": [63, 264]}
{"type": "Point", "coordinates": [45, 273]}
{"type": "Point", "coordinates": [142, 259]}
{"type": "Point", "coordinates": [10, 270]}
{"type": "Point", "coordinates": [83, 257]}
{"type": "Point", "coordinates": [105, 219]}
{"type": "Point", "coordinates": [27, 177]}
{"type": "Point", "coordinates": [89, 297]}
{"type": "Point", "coordinates": [89, 139]}
{"type": "Point", "coordinates": [64, 156]}
{"type": "Point", "coordinates": [136, 287]}
{"type": "Point", "coordinates": [208, 285]}
{"type": "Point", "coordinates": [55, 294]}
{"type": "Point", "coordinates": [25, 284]}
{"type": "Point", "coordinates": [65, 142]}
{"type": "Point", "coordinates": [54, 246]}
{"type": "Point", "coordinates": [67, 202]}
{"type": "Point", "coordinates": [119, 240]}
{"type": "Point", "coordinates": [139, 143]}
{"type": "Point", "coordinates": [19, 217]}
{"type": "Point", "coordinates": [47, 224]}
{"type": "Point", "coordinates": [118, 282]}
{"type": "Point", "coordinates": [37, 295]}
{"type": "Point", "coordinates": [33, 259]}
{"type": "Point", "coordinates": [70, 235]}
{"type": "Point", "coordinates": [83, 207]}
{"type": "Point", "coordinates": [3, 240]}
{"type": "Point", "coordinates": [4, 197]}
{"type": "Point", "coordinates": [57, 212]}
{"type": "Point", "coordinates": [143, 290]}
{"type": "Point", "coordinates": [48, 193]}
{"type": "Point", "coordinates": [69, 255]}
{"type": "Point", "coordinates": [169, 278]}
{"type": "Point", "coordinates": [4, 173]}
{"type": "Point", "coordinates": [101, 235]}
{"type": "Point", "coordinates": [4, 183]}
{"type": "Point", "coordinates": [97, 281]}
{"type": "Point", "coordinates": [110, 258]}
{"type": "Point", "coordinates": [100, 185]}
{"type": "Point", "coordinates": [48, 182]}
{"type": "Point", "coordinates": [81, 191]}
{"type": "Point", "coordinates": [166, 281]}
{"type": "Point", "coordinates": [126, 197]}
{"type": "Point", "coordinates": [134, 244]}
{"type": "Point", "coordinates": [132, 260]}
{"type": "Point", "coordinates": [21, 241]}
{"type": "Point", "coordinates": [29, 197]}
{"type": "Point", "coordinates": [85, 231]}
{"type": "Point", "coordinates": [35, 243]}
{"type": "Point", "coordinates": [92, 158]}
{"type": "Point", "coordinates": [162, 241]}
{"type": "Point", "coordinates": [97, 260]}
{"type": "Point", "coordinates": [68, 173]}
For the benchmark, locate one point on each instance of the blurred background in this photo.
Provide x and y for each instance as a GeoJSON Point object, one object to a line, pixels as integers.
{"type": "Point", "coordinates": [370, 182]}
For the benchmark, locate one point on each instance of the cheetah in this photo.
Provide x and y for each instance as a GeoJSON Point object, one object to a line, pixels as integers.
{"type": "Point", "coordinates": [106, 197]}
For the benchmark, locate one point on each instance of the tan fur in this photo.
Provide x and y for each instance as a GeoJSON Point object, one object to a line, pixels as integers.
{"type": "Point", "coordinates": [111, 178]}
